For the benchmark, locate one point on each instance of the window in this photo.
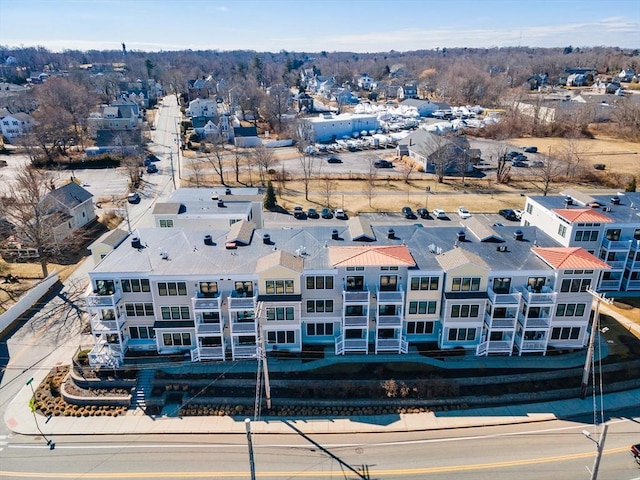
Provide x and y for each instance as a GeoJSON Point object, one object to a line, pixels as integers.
{"type": "Point", "coordinates": [465, 284]}
{"type": "Point", "coordinates": [570, 309]}
{"type": "Point", "coordinates": [562, 231]}
{"type": "Point", "coordinates": [319, 306]}
{"type": "Point", "coordinates": [535, 284]}
{"type": "Point", "coordinates": [105, 287]}
{"type": "Point", "coordinates": [166, 223]}
{"type": "Point", "coordinates": [355, 284]}
{"type": "Point", "coordinates": [354, 311]}
{"type": "Point", "coordinates": [319, 329]}
{"type": "Point", "coordinates": [464, 311]}
{"type": "Point", "coordinates": [142, 332]}
{"type": "Point", "coordinates": [136, 285]}
{"type": "Point", "coordinates": [177, 339]}
{"type": "Point", "coordinates": [586, 236]}
{"type": "Point", "coordinates": [636, 234]}
{"type": "Point", "coordinates": [279, 287]}
{"type": "Point", "coordinates": [565, 333]}
{"type": "Point", "coordinates": [209, 289]}
{"type": "Point", "coordinates": [425, 283]}
{"type": "Point", "coordinates": [244, 288]}
{"type": "Point", "coordinates": [211, 317]}
{"type": "Point", "coordinates": [279, 313]}
{"type": "Point", "coordinates": [172, 289]}
{"type": "Point", "coordinates": [175, 313]}
{"type": "Point", "coordinates": [501, 285]}
{"type": "Point", "coordinates": [613, 234]}
{"type": "Point", "coordinates": [388, 283]}
{"type": "Point", "coordinates": [320, 282]}
{"type": "Point", "coordinates": [139, 309]}
{"type": "Point", "coordinates": [462, 334]}
{"type": "Point", "coordinates": [422, 308]}
{"type": "Point", "coordinates": [575, 285]}
{"type": "Point", "coordinates": [281, 337]}
{"type": "Point", "coordinates": [419, 327]}
{"type": "Point", "coordinates": [388, 268]}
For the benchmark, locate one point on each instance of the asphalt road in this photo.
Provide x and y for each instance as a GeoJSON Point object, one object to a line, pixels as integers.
{"type": "Point", "coordinates": [556, 449]}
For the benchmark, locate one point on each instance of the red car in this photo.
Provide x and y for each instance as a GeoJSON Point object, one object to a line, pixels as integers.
{"type": "Point", "coordinates": [635, 451]}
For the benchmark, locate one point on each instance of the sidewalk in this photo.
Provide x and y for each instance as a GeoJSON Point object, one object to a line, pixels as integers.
{"type": "Point", "coordinates": [20, 419]}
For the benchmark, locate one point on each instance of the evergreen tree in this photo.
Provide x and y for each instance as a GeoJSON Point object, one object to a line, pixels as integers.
{"type": "Point", "coordinates": [270, 201]}
{"type": "Point", "coordinates": [631, 186]}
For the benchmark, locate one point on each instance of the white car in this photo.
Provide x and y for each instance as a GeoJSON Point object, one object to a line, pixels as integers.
{"type": "Point", "coordinates": [463, 212]}
{"type": "Point", "coordinates": [518, 213]}
{"type": "Point", "coordinates": [438, 213]}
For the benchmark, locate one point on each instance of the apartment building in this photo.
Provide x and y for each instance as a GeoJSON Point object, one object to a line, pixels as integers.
{"type": "Point", "coordinates": [353, 289]}
{"type": "Point", "coordinates": [607, 226]}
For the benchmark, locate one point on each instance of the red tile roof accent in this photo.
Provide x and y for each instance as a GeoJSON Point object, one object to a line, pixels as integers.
{"type": "Point", "coordinates": [569, 258]}
{"type": "Point", "coordinates": [586, 215]}
{"type": "Point", "coordinates": [366, 256]}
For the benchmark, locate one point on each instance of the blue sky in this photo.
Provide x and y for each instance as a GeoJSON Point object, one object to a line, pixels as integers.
{"type": "Point", "coordinates": [305, 26]}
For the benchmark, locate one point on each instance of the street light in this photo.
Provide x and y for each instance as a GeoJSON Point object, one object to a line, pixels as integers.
{"type": "Point", "coordinates": [599, 448]}
{"type": "Point", "coordinates": [35, 417]}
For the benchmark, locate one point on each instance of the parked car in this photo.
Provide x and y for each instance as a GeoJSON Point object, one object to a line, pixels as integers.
{"type": "Point", "coordinates": [463, 212]}
{"type": "Point", "coordinates": [512, 154]}
{"type": "Point", "coordinates": [635, 451]}
{"type": "Point", "coordinates": [383, 164]}
{"type": "Point", "coordinates": [530, 149]}
{"type": "Point", "coordinates": [438, 213]}
{"type": "Point", "coordinates": [298, 213]}
{"type": "Point", "coordinates": [133, 198]}
{"type": "Point", "coordinates": [518, 213]}
{"type": "Point", "coordinates": [408, 213]}
{"type": "Point", "coordinates": [508, 214]}
{"type": "Point", "coordinates": [340, 214]}
{"type": "Point", "coordinates": [537, 164]}
{"type": "Point", "coordinates": [312, 213]}
{"type": "Point", "coordinates": [520, 164]}
{"type": "Point", "coordinates": [326, 213]}
{"type": "Point", "coordinates": [520, 158]}
{"type": "Point", "coordinates": [149, 159]}
{"type": "Point", "coordinates": [423, 213]}
{"type": "Point", "coordinates": [151, 168]}
{"type": "Point", "coordinates": [333, 159]}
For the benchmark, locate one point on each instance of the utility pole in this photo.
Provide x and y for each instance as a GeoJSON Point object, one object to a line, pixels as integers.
{"type": "Point", "coordinates": [599, 297]}
{"type": "Point", "coordinates": [599, 448]}
{"type": "Point", "coordinates": [263, 353]}
{"type": "Point", "coordinates": [35, 418]}
{"type": "Point", "coordinates": [252, 466]}
{"type": "Point", "coordinates": [173, 177]}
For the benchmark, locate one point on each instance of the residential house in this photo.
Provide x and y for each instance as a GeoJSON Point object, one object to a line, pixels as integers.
{"type": "Point", "coordinates": [433, 152]}
{"type": "Point", "coordinates": [303, 102]}
{"type": "Point", "coordinates": [424, 107]}
{"type": "Point", "coordinates": [364, 82]}
{"type": "Point", "coordinates": [246, 137]}
{"type": "Point", "coordinates": [15, 125]}
{"type": "Point", "coordinates": [344, 96]}
{"type": "Point", "coordinates": [626, 75]}
{"type": "Point", "coordinates": [68, 209]}
{"type": "Point", "coordinates": [202, 107]}
{"type": "Point", "coordinates": [608, 226]}
{"type": "Point", "coordinates": [107, 242]}
{"type": "Point", "coordinates": [407, 91]}
{"type": "Point", "coordinates": [356, 288]}
{"type": "Point", "coordinates": [201, 88]}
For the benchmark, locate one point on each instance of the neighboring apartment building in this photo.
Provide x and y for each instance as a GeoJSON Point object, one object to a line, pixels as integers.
{"type": "Point", "coordinates": [606, 225]}
{"type": "Point", "coordinates": [350, 289]}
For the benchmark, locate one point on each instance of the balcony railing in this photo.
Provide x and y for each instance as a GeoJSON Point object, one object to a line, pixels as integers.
{"type": "Point", "coordinates": [100, 324]}
{"type": "Point", "coordinates": [512, 298]}
{"type": "Point", "coordinates": [533, 346]}
{"type": "Point", "coordinates": [359, 321]}
{"type": "Point", "coordinates": [399, 345]}
{"type": "Point", "coordinates": [244, 327]}
{"type": "Point", "coordinates": [208, 328]}
{"type": "Point", "coordinates": [509, 322]}
{"type": "Point", "coordinates": [245, 351]}
{"type": "Point", "coordinates": [351, 345]}
{"type": "Point", "coordinates": [242, 303]}
{"type": "Point", "coordinates": [389, 321]}
{"type": "Point", "coordinates": [102, 301]}
{"type": "Point", "coordinates": [633, 285]}
{"type": "Point", "coordinates": [361, 296]}
{"type": "Point", "coordinates": [394, 297]}
{"type": "Point", "coordinates": [534, 322]}
{"type": "Point", "coordinates": [106, 355]}
{"type": "Point", "coordinates": [206, 304]}
{"type": "Point", "coordinates": [208, 353]}
{"type": "Point", "coordinates": [609, 284]}
{"type": "Point", "coordinates": [616, 264]}
{"type": "Point", "coordinates": [618, 245]}
{"type": "Point", "coordinates": [494, 346]}
{"type": "Point", "coordinates": [538, 298]}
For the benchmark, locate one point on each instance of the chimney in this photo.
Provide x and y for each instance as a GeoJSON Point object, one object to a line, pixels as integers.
{"type": "Point", "coordinates": [334, 235]}
{"type": "Point", "coordinates": [208, 240]}
{"type": "Point", "coordinates": [135, 242]}
{"type": "Point", "coordinates": [615, 200]}
{"type": "Point", "coordinates": [391, 234]}
{"type": "Point", "coordinates": [266, 239]}
{"type": "Point", "coordinates": [568, 201]}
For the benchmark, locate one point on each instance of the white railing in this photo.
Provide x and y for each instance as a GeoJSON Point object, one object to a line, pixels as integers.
{"type": "Point", "coordinates": [195, 355]}
{"type": "Point", "coordinates": [616, 264]}
{"type": "Point", "coordinates": [499, 346]}
{"type": "Point", "coordinates": [538, 298]}
{"type": "Point", "coordinates": [206, 304]}
{"type": "Point", "coordinates": [390, 296]}
{"type": "Point", "coordinates": [504, 298]}
{"type": "Point", "coordinates": [532, 346]}
{"type": "Point", "coordinates": [242, 303]}
{"type": "Point", "coordinates": [244, 327]}
{"type": "Point", "coordinates": [355, 297]}
{"type": "Point", "coordinates": [102, 325]}
{"type": "Point", "coordinates": [537, 322]}
{"type": "Point", "coordinates": [339, 345]}
{"type": "Point", "coordinates": [105, 355]}
{"type": "Point", "coordinates": [211, 353]}
{"type": "Point", "coordinates": [481, 349]}
{"type": "Point", "coordinates": [609, 284]}
{"type": "Point", "coordinates": [245, 351]}
{"type": "Point", "coordinates": [208, 328]}
{"type": "Point", "coordinates": [94, 301]}
{"type": "Point", "coordinates": [633, 285]}
{"type": "Point", "coordinates": [392, 345]}
{"type": "Point", "coordinates": [389, 321]}
{"type": "Point", "coordinates": [359, 321]}
{"type": "Point", "coordinates": [509, 322]}
{"type": "Point", "coordinates": [356, 345]}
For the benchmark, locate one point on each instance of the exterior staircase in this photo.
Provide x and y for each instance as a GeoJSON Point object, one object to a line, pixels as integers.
{"type": "Point", "coordinates": [144, 385]}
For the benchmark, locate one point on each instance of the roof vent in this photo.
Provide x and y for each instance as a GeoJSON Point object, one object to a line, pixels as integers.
{"type": "Point", "coordinates": [334, 235]}
{"type": "Point", "coordinates": [518, 235]}
{"type": "Point", "coordinates": [221, 203]}
{"type": "Point", "coordinates": [266, 239]}
{"type": "Point", "coordinates": [135, 242]}
{"type": "Point", "coordinates": [615, 200]}
{"type": "Point", "coordinates": [391, 234]}
{"type": "Point", "coordinates": [227, 191]}
{"type": "Point", "coordinates": [461, 236]}
{"type": "Point", "coordinates": [208, 240]}
{"type": "Point", "coordinates": [568, 201]}
{"type": "Point", "coordinates": [501, 248]}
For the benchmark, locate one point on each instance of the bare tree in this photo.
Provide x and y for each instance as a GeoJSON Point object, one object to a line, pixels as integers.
{"type": "Point", "coordinates": [198, 173]}
{"type": "Point", "coordinates": [265, 160]}
{"type": "Point", "coordinates": [238, 160]}
{"type": "Point", "coordinates": [409, 167]}
{"type": "Point", "coordinates": [369, 185]}
{"type": "Point", "coordinates": [572, 153]}
{"type": "Point", "coordinates": [23, 207]}
{"type": "Point", "coordinates": [504, 165]}
{"type": "Point", "coordinates": [548, 172]}
{"type": "Point", "coordinates": [308, 164]}
{"type": "Point", "coordinates": [328, 188]}
{"type": "Point", "coordinates": [276, 105]}
{"type": "Point", "coordinates": [215, 155]}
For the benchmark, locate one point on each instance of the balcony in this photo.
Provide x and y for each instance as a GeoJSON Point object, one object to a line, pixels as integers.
{"type": "Point", "coordinates": [355, 321]}
{"type": "Point", "coordinates": [395, 345]}
{"type": "Point", "coordinates": [512, 298]}
{"type": "Point", "coordinates": [106, 355]}
{"type": "Point", "coordinates": [356, 296]}
{"type": "Point", "coordinates": [610, 284]}
{"type": "Point", "coordinates": [633, 285]}
{"type": "Point", "coordinates": [394, 297]}
{"type": "Point", "coordinates": [351, 345]}
{"type": "Point", "coordinates": [530, 346]}
{"type": "Point", "coordinates": [546, 296]}
{"type": "Point", "coordinates": [497, 322]}
{"type": "Point", "coordinates": [389, 321]}
{"type": "Point", "coordinates": [99, 324]}
{"type": "Point", "coordinates": [494, 346]}
{"type": "Point", "coordinates": [616, 245]}
{"type": "Point", "coordinates": [208, 328]}
{"type": "Point", "coordinates": [534, 322]}
{"type": "Point", "coordinates": [207, 353]}
{"type": "Point", "coordinates": [103, 301]}
{"type": "Point", "coordinates": [616, 264]}
{"type": "Point", "coordinates": [206, 304]}
{"type": "Point", "coordinates": [244, 327]}
{"type": "Point", "coordinates": [241, 303]}
{"type": "Point", "coordinates": [245, 351]}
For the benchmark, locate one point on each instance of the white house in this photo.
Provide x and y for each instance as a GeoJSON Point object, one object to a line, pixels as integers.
{"type": "Point", "coordinates": [202, 107]}
{"type": "Point", "coordinates": [365, 82]}
{"type": "Point", "coordinates": [15, 125]}
{"type": "Point", "coordinates": [329, 127]}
